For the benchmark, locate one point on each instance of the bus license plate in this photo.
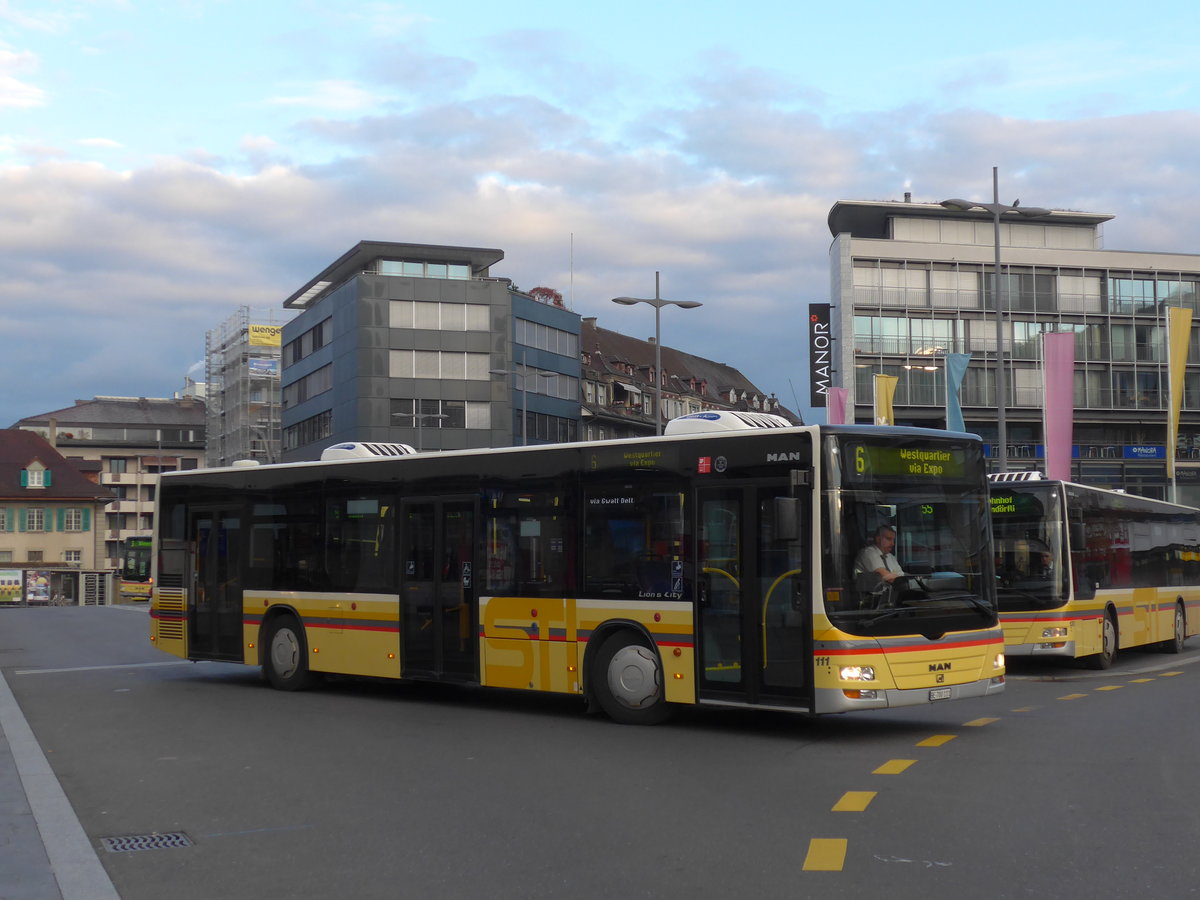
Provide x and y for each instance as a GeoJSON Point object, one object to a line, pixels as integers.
{"type": "Point", "coordinates": [940, 694]}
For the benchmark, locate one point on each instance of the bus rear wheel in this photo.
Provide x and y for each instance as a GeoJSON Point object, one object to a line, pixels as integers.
{"type": "Point", "coordinates": [1104, 658]}
{"type": "Point", "coordinates": [285, 656]}
{"type": "Point", "coordinates": [628, 682]}
{"type": "Point", "coordinates": [1174, 644]}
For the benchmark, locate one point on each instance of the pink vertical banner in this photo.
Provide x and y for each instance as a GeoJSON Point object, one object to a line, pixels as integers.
{"type": "Point", "coordinates": [835, 405]}
{"type": "Point", "coordinates": [1058, 373]}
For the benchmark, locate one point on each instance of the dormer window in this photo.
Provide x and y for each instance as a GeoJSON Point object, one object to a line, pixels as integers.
{"type": "Point", "coordinates": [35, 476]}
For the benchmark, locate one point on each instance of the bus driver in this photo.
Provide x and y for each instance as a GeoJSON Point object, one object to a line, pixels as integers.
{"type": "Point", "coordinates": [877, 557]}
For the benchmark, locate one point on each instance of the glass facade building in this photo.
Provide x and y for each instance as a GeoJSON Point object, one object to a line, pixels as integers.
{"type": "Point", "coordinates": [911, 282]}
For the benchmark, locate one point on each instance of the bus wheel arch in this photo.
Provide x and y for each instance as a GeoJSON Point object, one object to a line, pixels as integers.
{"type": "Point", "coordinates": [624, 676]}
{"type": "Point", "coordinates": [283, 653]}
{"type": "Point", "coordinates": [1174, 644]}
{"type": "Point", "coordinates": [1110, 642]}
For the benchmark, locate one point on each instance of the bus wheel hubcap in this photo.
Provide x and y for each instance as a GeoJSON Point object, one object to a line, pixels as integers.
{"type": "Point", "coordinates": [633, 676]}
{"type": "Point", "coordinates": [284, 652]}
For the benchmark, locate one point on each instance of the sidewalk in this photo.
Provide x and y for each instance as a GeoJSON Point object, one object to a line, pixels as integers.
{"type": "Point", "coordinates": [44, 852]}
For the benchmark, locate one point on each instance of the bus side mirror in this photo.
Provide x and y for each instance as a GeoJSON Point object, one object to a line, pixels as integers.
{"type": "Point", "coordinates": [787, 519]}
{"type": "Point", "coordinates": [1076, 536]}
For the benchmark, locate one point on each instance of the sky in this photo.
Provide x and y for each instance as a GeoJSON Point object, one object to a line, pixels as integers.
{"type": "Point", "coordinates": [164, 163]}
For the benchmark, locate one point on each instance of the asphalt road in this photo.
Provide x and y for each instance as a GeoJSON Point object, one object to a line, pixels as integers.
{"type": "Point", "coordinates": [1071, 783]}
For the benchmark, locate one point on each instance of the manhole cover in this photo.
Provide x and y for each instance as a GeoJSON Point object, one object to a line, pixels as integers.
{"type": "Point", "coordinates": [130, 842]}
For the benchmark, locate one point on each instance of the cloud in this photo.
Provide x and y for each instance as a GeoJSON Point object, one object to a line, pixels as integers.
{"type": "Point", "coordinates": [113, 277]}
{"type": "Point", "coordinates": [105, 143]}
{"type": "Point", "coordinates": [15, 93]}
{"type": "Point", "coordinates": [340, 95]}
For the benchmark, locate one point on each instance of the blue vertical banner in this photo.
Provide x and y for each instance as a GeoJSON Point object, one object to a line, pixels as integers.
{"type": "Point", "coordinates": [956, 369]}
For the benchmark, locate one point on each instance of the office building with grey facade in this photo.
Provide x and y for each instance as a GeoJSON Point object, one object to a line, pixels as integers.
{"type": "Point", "coordinates": [911, 282]}
{"type": "Point", "coordinates": [420, 344]}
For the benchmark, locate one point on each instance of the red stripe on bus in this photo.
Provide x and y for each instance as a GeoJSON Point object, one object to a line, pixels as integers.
{"type": "Point", "coordinates": [912, 648]}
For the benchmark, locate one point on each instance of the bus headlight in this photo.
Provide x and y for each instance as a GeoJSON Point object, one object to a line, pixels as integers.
{"type": "Point", "coordinates": [998, 662]}
{"type": "Point", "coordinates": [856, 673]}
{"type": "Point", "coordinates": [1059, 631]}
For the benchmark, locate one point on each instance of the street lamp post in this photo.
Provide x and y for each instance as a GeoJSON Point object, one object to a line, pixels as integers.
{"type": "Point", "coordinates": [658, 303]}
{"type": "Point", "coordinates": [996, 208]}
{"type": "Point", "coordinates": [420, 418]}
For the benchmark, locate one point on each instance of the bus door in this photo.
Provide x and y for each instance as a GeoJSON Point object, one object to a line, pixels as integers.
{"type": "Point", "coordinates": [215, 579]}
{"type": "Point", "coordinates": [754, 614]}
{"type": "Point", "coordinates": [437, 589]}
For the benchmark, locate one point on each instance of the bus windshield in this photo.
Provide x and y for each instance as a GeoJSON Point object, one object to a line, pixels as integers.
{"type": "Point", "coordinates": [1031, 569]}
{"type": "Point", "coordinates": [928, 529]}
{"type": "Point", "coordinates": [135, 564]}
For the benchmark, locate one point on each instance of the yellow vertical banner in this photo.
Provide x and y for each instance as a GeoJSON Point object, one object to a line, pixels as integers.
{"type": "Point", "coordinates": [1179, 332]}
{"type": "Point", "coordinates": [885, 392]}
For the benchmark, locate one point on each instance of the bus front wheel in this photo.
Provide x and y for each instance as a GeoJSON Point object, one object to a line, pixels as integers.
{"type": "Point", "coordinates": [628, 681]}
{"type": "Point", "coordinates": [1104, 658]}
{"type": "Point", "coordinates": [285, 656]}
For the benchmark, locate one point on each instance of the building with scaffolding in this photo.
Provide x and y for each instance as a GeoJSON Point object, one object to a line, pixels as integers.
{"type": "Point", "coordinates": [242, 363]}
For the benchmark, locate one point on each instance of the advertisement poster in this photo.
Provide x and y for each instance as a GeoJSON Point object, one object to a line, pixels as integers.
{"type": "Point", "coordinates": [37, 588]}
{"type": "Point", "coordinates": [263, 368]}
{"type": "Point", "coordinates": [265, 335]}
{"type": "Point", "coordinates": [10, 586]}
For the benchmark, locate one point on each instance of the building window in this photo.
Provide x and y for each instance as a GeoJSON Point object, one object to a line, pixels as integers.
{"type": "Point", "coordinates": [309, 431]}
{"type": "Point", "coordinates": [35, 478]}
{"type": "Point", "coordinates": [73, 556]}
{"type": "Point", "coordinates": [310, 385]}
{"type": "Point", "coordinates": [439, 316]}
{"type": "Point", "coordinates": [545, 337]}
{"type": "Point", "coordinates": [421, 269]}
{"type": "Point", "coordinates": [73, 520]}
{"type": "Point", "coordinates": [117, 465]}
{"type": "Point", "coordinates": [438, 364]}
{"type": "Point", "coordinates": [6, 556]}
{"type": "Point", "coordinates": [35, 519]}
{"type": "Point", "coordinates": [4, 523]}
{"type": "Point", "coordinates": [457, 413]}
{"type": "Point", "coordinates": [34, 556]}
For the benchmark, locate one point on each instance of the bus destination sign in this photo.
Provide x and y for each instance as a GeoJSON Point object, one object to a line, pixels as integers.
{"type": "Point", "coordinates": [911, 461]}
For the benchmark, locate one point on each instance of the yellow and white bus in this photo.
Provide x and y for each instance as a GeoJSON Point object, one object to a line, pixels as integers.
{"type": "Point", "coordinates": [714, 567]}
{"type": "Point", "coordinates": [1084, 571]}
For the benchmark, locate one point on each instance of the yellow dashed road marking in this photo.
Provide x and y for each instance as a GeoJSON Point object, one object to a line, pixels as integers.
{"type": "Point", "coordinates": [825, 855]}
{"type": "Point", "coordinates": [975, 723]}
{"type": "Point", "coordinates": [1072, 696]}
{"type": "Point", "coordinates": [1025, 709]}
{"type": "Point", "coordinates": [1111, 687]}
{"type": "Point", "coordinates": [894, 767]}
{"type": "Point", "coordinates": [1141, 681]}
{"type": "Point", "coordinates": [1169, 674]}
{"type": "Point", "coordinates": [854, 801]}
{"type": "Point", "coordinates": [937, 740]}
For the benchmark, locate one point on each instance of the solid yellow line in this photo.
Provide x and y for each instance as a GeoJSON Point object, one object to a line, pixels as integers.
{"type": "Point", "coordinates": [825, 855]}
{"type": "Point", "coordinates": [854, 801]}
{"type": "Point", "coordinates": [894, 767]}
{"type": "Point", "coordinates": [986, 720]}
{"type": "Point", "coordinates": [1072, 696]}
{"type": "Point", "coordinates": [1111, 687]}
{"type": "Point", "coordinates": [937, 740]}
